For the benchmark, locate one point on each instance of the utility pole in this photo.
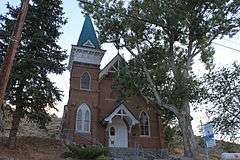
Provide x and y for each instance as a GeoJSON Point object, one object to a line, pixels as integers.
{"type": "Point", "coordinates": [12, 49]}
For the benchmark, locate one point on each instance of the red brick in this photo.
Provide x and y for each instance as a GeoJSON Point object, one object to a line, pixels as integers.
{"type": "Point", "coordinates": [101, 100]}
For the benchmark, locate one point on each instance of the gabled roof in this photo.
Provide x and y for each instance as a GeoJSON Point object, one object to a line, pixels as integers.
{"type": "Point", "coordinates": [88, 36]}
{"type": "Point", "coordinates": [112, 66]}
{"type": "Point", "coordinates": [122, 111]}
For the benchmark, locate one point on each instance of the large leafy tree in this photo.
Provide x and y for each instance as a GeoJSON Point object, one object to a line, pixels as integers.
{"type": "Point", "coordinates": [164, 37]}
{"type": "Point", "coordinates": [223, 88]}
{"type": "Point", "coordinates": [131, 80]}
{"type": "Point", "coordinates": [30, 91]}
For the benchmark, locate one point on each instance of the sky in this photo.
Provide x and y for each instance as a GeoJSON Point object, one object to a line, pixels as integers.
{"type": "Point", "coordinates": [71, 32]}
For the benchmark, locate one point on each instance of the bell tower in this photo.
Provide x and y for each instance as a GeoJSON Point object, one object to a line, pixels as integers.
{"type": "Point", "coordinates": [80, 114]}
{"type": "Point", "coordinates": [87, 50]}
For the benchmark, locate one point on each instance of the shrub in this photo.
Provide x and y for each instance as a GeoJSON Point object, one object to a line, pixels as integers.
{"type": "Point", "coordinates": [80, 152]}
{"type": "Point", "coordinates": [102, 158]}
{"type": "Point", "coordinates": [173, 137]}
{"type": "Point", "coordinates": [230, 147]}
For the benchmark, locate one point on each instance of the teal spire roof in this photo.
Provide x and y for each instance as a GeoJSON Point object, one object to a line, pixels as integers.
{"type": "Point", "coordinates": [88, 36]}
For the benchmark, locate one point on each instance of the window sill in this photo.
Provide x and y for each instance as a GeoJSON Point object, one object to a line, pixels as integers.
{"type": "Point", "coordinates": [145, 136]}
{"type": "Point", "coordinates": [82, 132]}
{"type": "Point", "coordinates": [88, 90]}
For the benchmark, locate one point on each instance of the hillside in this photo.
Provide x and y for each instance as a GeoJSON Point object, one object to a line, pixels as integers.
{"type": "Point", "coordinates": [34, 143]}
{"type": "Point", "coordinates": [31, 129]}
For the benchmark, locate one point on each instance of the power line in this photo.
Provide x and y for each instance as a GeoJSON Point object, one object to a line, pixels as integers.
{"type": "Point", "coordinates": [226, 46]}
{"type": "Point", "coordinates": [231, 41]}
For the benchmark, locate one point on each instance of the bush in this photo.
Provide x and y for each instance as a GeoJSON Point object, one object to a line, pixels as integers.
{"type": "Point", "coordinates": [173, 137]}
{"type": "Point", "coordinates": [80, 152]}
{"type": "Point", "coordinates": [230, 147]}
{"type": "Point", "coordinates": [102, 158]}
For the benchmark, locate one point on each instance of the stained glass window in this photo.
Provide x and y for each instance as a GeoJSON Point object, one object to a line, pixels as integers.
{"type": "Point", "coordinates": [83, 118]}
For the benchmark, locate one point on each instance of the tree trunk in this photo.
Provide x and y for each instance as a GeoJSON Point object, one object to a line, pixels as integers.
{"type": "Point", "coordinates": [14, 129]}
{"type": "Point", "coordinates": [189, 140]}
{"type": "Point", "coordinates": [184, 118]}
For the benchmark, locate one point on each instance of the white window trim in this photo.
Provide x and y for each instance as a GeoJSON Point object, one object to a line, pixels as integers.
{"type": "Point", "coordinates": [83, 119]}
{"type": "Point", "coordinates": [90, 79]}
{"type": "Point", "coordinates": [149, 128]}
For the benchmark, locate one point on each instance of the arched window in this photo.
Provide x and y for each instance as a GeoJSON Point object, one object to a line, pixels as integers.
{"type": "Point", "coordinates": [144, 124]}
{"type": "Point", "coordinates": [85, 81]}
{"type": "Point", "coordinates": [112, 131]}
{"type": "Point", "coordinates": [83, 118]}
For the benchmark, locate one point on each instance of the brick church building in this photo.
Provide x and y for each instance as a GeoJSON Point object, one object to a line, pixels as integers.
{"type": "Point", "coordinates": [94, 114]}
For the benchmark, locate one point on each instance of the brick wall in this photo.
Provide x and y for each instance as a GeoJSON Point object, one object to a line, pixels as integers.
{"type": "Point", "coordinates": [101, 100]}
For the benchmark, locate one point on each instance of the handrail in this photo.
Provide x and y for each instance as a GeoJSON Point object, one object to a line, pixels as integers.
{"type": "Point", "coordinates": [140, 150]}
{"type": "Point", "coordinates": [2, 126]}
{"type": "Point", "coordinates": [151, 155]}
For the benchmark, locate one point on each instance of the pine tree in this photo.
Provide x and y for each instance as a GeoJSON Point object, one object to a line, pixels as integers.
{"type": "Point", "coordinates": [30, 91]}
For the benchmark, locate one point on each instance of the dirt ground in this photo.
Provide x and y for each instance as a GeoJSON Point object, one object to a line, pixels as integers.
{"type": "Point", "coordinates": [34, 148]}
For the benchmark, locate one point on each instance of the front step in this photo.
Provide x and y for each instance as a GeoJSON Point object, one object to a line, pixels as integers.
{"type": "Point", "coordinates": [136, 154]}
{"type": "Point", "coordinates": [124, 154]}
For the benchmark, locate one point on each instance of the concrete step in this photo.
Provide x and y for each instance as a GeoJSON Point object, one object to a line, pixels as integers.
{"type": "Point", "coordinates": [123, 153]}
{"type": "Point", "coordinates": [136, 154]}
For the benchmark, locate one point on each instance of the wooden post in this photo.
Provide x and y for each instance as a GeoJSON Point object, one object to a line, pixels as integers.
{"type": "Point", "coordinates": [12, 48]}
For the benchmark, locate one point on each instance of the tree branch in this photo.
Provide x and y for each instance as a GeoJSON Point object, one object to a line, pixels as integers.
{"type": "Point", "coordinates": [151, 83]}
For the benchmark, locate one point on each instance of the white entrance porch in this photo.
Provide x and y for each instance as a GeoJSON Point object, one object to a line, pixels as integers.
{"type": "Point", "coordinates": [120, 122]}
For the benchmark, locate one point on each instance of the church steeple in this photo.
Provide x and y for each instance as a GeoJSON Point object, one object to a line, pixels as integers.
{"type": "Point", "coordinates": [88, 36]}
{"type": "Point", "coordinates": [87, 50]}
